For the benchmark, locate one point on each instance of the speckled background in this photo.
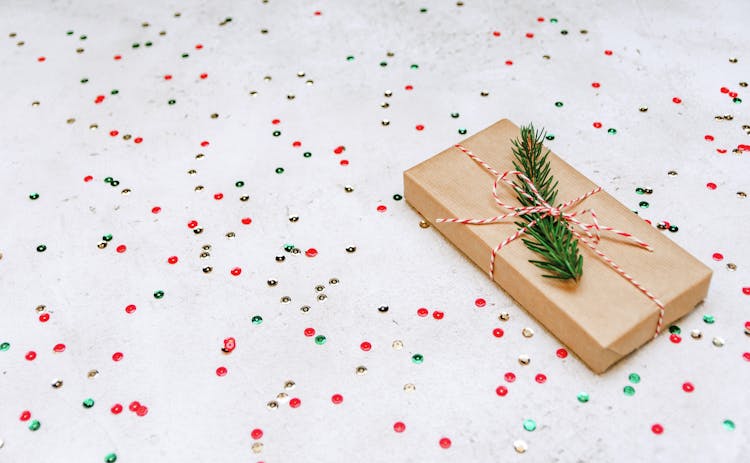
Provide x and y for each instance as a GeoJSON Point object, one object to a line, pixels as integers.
{"type": "Point", "coordinates": [171, 346]}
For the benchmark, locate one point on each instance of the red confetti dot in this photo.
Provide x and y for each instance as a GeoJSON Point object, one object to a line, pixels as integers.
{"type": "Point", "coordinates": [236, 271]}
{"type": "Point", "coordinates": [688, 387]}
{"type": "Point", "coordinates": [746, 290]}
{"type": "Point", "coordinates": [121, 248]}
{"type": "Point", "coordinates": [309, 332]}
{"type": "Point", "coordinates": [25, 415]}
{"type": "Point", "coordinates": [733, 94]}
{"type": "Point", "coordinates": [480, 302]}
{"type": "Point", "coordinates": [117, 356]}
{"type": "Point", "coordinates": [221, 371]}
{"type": "Point", "coordinates": [295, 402]}
{"type": "Point", "coordinates": [721, 151]}
{"type": "Point", "coordinates": [344, 162]}
{"type": "Point", "coordinates": [339, 149]}
{"type": "Point", "coordinates": [138, 140]}
{"type": "Point", "coordinates": [198, 47]}
{"type": "Point", "coordinates": [676, 100]}
{"type": "Point", "coordinates": [134, 405]}
{"type": "Point", "coordinates": [399, 426]}
{"type": "Point", "coordinates": [510, 377]}
{"type": "Point", "coordinates": [675, 338]}
{"type": "Point", "coordinates": [318, 13]}
{"type": "Point", "coordinates": [142, 410]}
{"type": "Point", "coordinates": [256, 433]}
{"type": "Point", "coordinates": [312, 252]}
{"type": "Point", "coordinates": [747, 325]}
{"type": "Point", "coordinates": [529, 35]}
{"type": "Point", "coordinates": [59, 348]}
{"type": "Point", "coordinates": [218, 196]}
{"type": "Point", "coordinates": [540, 19]}
{"type": "Point", "coordinates": [496, 33]}
{"type": "Point", "coordinates": [113, 133]}
{"type": "Point", "coordinates": [88, 178]}
{"type": "Point", "coordinates": [382, 208]}
{"type": "Point", "coordinates": [724, 90]}
{"type": "Point", "coordinates": [275, 121]}
{"type": "Point", "coordinates": [365, 346]}
{"type": "Point", "coordinates": [422, 312]}
{"type": "Point", "coordinates": [596, 85]}
{"type": "Point", "coordinates": [192, 224]}
{"type": "Point", "coordinates": [718, 256]}
{"type": "Point", "coordinates": [247, 220]}
{"type": "Point", "coordinates": [337, 398]}
{"type": "Point", "coordinates": [502, 391]}
{"type": "Point", "coordinates": [597, 125]}
{"type": "Point", "coordinates": [230, 344]}
{"type": "Point", "coordinates": [205, 143]}
{"type": "Point", "coordinates": [509, 62]}
{"type": "Point", "coordinates": [130, 308]}
{"type": "Point", "coordinates": [540, 378]}
{"type": "Point", "coordinates": [657, 428]}
{"type": "Point", "coordinates": [561, 353]}
{"type": "Point", "coordinates": [203, 76]}
{"type": "Point", "coordinates": [30, 355]}
{"type": "Point", "coordinates": [155, 210]}
{"type": "Point", "coordinates": [118, 57]}
{"type": "Point", "coordinates": [709, 138]}
{"type": "Point", "coordinates": [99, 99]}
{"type": "Point", "coordinates": [438, 315]}
{"type": "Point", "coordinates": [419, 127]}
{"type": "Point", "coordinates": [41, 59]}
{"type": "Point", "coordinates": [116, 409]}
{"type": "Point", "coordinates": [168, 77]}
{"type": "Point", "coordinates": [608, 52]}
{"type": "Point", "coordinates": [44, 317]}
{"type": "Point", "coordinates": [408, 87]}
{"type": "Point", "coordinates": [297, 144]}
{"type": "Point", "coordinates": [746, 356]}
{"type": "Point", "coordinates": [445, 443]}
{"type": "Point", "coordinates": [172, 260]}
{"type": "Point", "coordinates": [711, 185]}
{"type": "Point", "coordinates": [498, 332]}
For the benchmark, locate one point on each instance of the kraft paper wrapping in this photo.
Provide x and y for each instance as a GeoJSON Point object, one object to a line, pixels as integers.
{"type": "Point", "coordinates": [603, 317]}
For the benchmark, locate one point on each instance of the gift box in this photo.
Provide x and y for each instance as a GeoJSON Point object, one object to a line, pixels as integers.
{"type": "Point", "coordinates": [624, 296]}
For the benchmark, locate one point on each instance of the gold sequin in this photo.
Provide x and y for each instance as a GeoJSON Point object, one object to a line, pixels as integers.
{"type": "Point", "coordinates": [319, 288]}
{"type": "Point", "coordinates": [289, 385]}
{"type": "Point", "coordinates": [731, 267]}
{"type": "Point", "coordinates": [285, 299]}
{"type": "Point", "coordinates": [290, 96]}
{"type": "Point", "coordinates": [424, 224]}
{"type": "Point", "coordinates": [94, 126]}
{"type": "Point", "coordinates": [643, 109]}
{"type": "Point", "coordinates": [35, 103]}
{"type": "Point", "coordinates": [126, 191]}
{"type": "Point", "coordinates": [322, 297]}
{"type": "Point", "coordinates": [388, 93]}
{"type": "Point", "coordinates": [718, 342]}
{"type": "Point", "coordinates": [348, 188]}
{"type": "Point", "coordinates": [385, 122]}
{"type": "Point", "coordinates": [524, 359]}
{"type": "Point", "coordinates": [127, 136]}
{"type": "Point", "coordinates": [696, 334]}
{"type": "Point", "coordinates": [40, 308]}
{"type": "Point", "coordinates": [272, 282]}
{"type": "Point", "coordinates": [741, 194]}
{"type": "Point", "coordinates": [57, 384]}
{"type": "Point", "coordinates": [301, 74]}
{"type": "Point", "coordinates": [361, 370]}
{"type": "Point", "coordinates": [333, 281]}
{"type": "Point", "coordinates": [520, 446]}
{"type": "Point", "coordinates": [527, 332]}
{"type": "Point", "coordinates": [504, 316]}
{"type": "Point", "coordinates": [71, 120]}
{"type": "Point", "coordinates": [214, 115]}
{"type": "Point", "coordinates": [92, 374]}
{"type": "Point", "coordinates": [305, 308]}
{"type": "Point", "coordinates": [484, 93]}
{"type": "Point", "coordinates": [230, 235]}
{"type": "Point", "coordinates": [409, 387]}
{"type": "Point", "coordinates": [257, 447]}
{"type": "Point", "coordinates": [272, 405]}
{"type": "Point", "coordinates": [732, 60]}
{"type": "Point", "coordinates": [397, 344]}
{"type": "Point", "coordinates": [672, 173]}
{"type": "Point", "coordinates": [244, 198]}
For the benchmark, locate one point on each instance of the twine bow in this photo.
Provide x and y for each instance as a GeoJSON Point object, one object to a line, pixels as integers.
{"type": "Point", "coordinates": [587, 233]}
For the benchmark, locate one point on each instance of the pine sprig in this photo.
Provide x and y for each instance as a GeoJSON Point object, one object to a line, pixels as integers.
{"type": "Point", "coordinates": [550, 236]}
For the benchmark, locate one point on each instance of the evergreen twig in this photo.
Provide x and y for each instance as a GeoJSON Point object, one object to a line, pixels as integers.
{"type": "Point", "coordinates": [550, 237]}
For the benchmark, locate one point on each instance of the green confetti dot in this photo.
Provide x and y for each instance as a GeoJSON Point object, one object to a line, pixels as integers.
{"type": "Point", "coordinates": [320, 339]}
{"type": "Point", "coordinates": [634, 378]}
{"type": "Point", "coordinates": [583, 397]}
{"type": "Point", "coordinates": [158, 294]}
{"type": "Point", "coordinates": [709, 319]}
{"type": "Point", "coordinates": [171, 102]}
{"type": "Point", "coordinates": [640, 190]}
{"type": "Point", "coordinates": [34, 196]}
{"type": "Point", "coordinates": [239, 183]}
{"type": "Point", "coordinates": [414, 66]}
{"type": "Point", "coordinates": [550, 136]}
{"type": "Point", "coordinates": [35, 425]}
{"type": "Point", "coordinates": [454, 115]}
{"type": "Point", "coordinates": [108, 179]}
{"type": "Point", "coordinates": [462, 131]}
{"type": "Point", "coordinates": [643, 204]}
{"type": "Point", "coordinates": [288, 247]}
{"type": "Point", "coordinates": [111, 458]}
{"type": "Point", "coordinates": [423, 10]}
{"type": "Point", "coordinates": [628, 390]}
{"type": "Point", "coordinates": [69, 33]}
{"type": "Point", "coordinates": [383, 64]}
{"type": "Point", "coordinates": [417, 358]}
{"type": "Point", "coordinates": [350, 58]}
{"type": "Point", "coordinates": [148, 44]}
{"type": "Point", "coordinates": [4, 346]}
{"type": "Point", "coordinates": [564, 32]}
{"type": "Point", "coordinates": [41, 248]}
{"type": "Point", "coordinates": [83, 37]}
{"type": "Point", "coordinates": [529, 425]}
{"type": "Point", "coordinates": [115, 182]}
{"type": "Point", "coordinates": [276, 133]}
{"type": "Point", "coordinates": [114, 91]}
{"type": "Point", "coordinates": [611, 131]}
{"type": "Point", "coordinates": [107, 237]}
{"type": "Point", "coordinates": [553, 20]}
{"type": "Point", "coordinates": [398, 197]}
{"type": "Point", "coordinates": [559, 104]}
{"type": "Point", "coordinates": [279, 170]}
{"type": "Point", "coordinates": [307, 154]}
{"type": "Point", "coordinates": [674, 329]}
{"type": "Point", "coordinates": [136, 45]}
{"type": "Point", "coordinates": [88, 403]}
{"type": "Point", "coordinates": [257, 320]}
{"type": "Point", "coordinates": [84, 80]}
{"type": "Point", "coordinates": [737, 100]}
{"type": "Point", "coordinates": [185, 55]}
{"type": "Point", "coordinates": [728, 425]}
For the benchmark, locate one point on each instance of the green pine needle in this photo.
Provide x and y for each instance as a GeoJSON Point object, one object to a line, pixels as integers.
{"type": "Point", "coordinates": [550, 237]}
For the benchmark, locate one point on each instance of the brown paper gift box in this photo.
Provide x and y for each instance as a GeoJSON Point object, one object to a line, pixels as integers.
{"type": "Point", "coordinates": [603, 317]}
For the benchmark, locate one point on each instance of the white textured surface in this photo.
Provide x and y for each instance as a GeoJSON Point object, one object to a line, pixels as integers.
{"type": "Point", "coordinates": [172, 346]}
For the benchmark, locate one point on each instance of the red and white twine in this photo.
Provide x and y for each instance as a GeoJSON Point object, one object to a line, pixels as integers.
{"type": "Point", "coordinates": [586, 233]}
